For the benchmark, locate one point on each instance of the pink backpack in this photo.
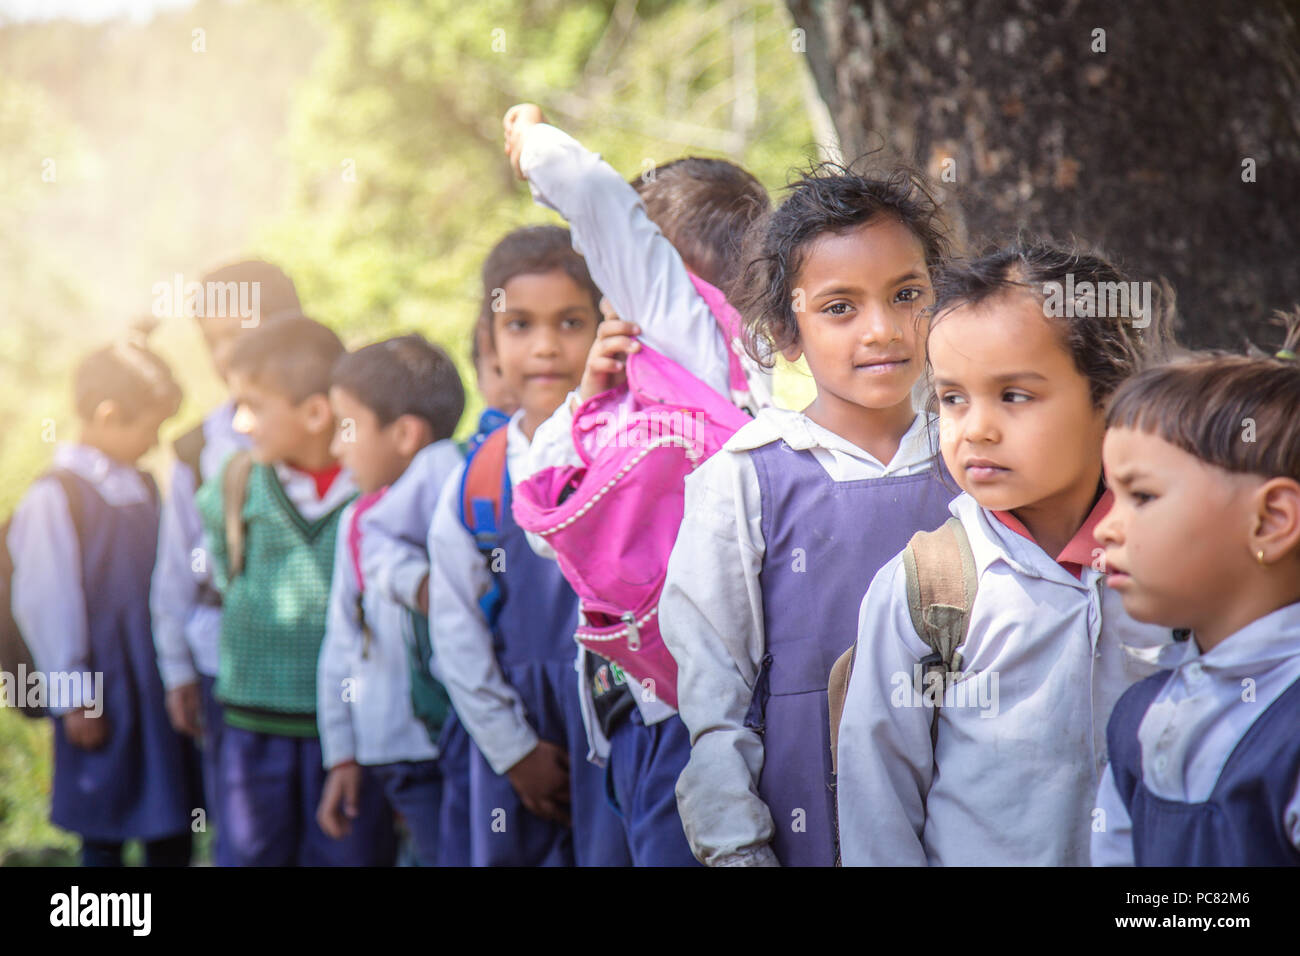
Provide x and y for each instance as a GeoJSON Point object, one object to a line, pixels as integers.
{"type": "Point", "coordinates": [613, 522]}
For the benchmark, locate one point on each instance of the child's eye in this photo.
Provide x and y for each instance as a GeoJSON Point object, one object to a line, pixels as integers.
{"type": "Point", "coordinates": [910, 294]}
{"type": "Point", "coordinates": [516, 325]}
{"type": "Point", "coordinates": [838, 308]}
{"type": "Point", "coordinates": [952, 398]}
{"type": "Point", "coordinates": [1141, 497]}
{"type": "Point", "coordinates": [575, 322]}
{"type": "Point", "coordinates": [1016, 397]}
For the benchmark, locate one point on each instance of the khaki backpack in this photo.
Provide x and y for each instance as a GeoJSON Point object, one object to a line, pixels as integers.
{"type": "Point", "coordinates": [941, 582]}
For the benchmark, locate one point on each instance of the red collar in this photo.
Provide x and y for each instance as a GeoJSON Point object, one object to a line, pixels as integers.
{"type": "Point", "coordinates": [1080, 549]}
{"type": "Point", "coordinates": [323, 478]}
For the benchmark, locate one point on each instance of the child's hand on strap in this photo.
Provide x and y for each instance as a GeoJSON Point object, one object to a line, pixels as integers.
{"type": "Point", "coordinates": [542, 781]}
{"type": "Point", "coordinates": [608, 356]}
{"type": "Point", "coordinates": [183, 709]}
{"type": "Point", "coordinates": [518, 120]}
{"type": "Point", "coordinates": [340, 801]}
{"type": "Point", "coordinates": [84, 731]}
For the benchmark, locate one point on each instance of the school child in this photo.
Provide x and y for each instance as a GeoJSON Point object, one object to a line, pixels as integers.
{"type": "Point", "coordinates": [270, 519]}
{"type": "Point", "coordinates": [502, 618]}
{"type": "Point", "coordinates": [392, 400]}
{"type": "Point", "coordinates": [988, 750]}
{"type": "Point", "coordinates": [1204, 461]}
{"type": "Point", "coordinates": [186, 607]}
{"type": "Point", "coordinates": [662, 249]}
{"type": "Point", "coordinates": [397, 565]}
{"type": "Point", "coordinates": [83, 542]}
{"type": "Point", "coordinates": [798, 509]}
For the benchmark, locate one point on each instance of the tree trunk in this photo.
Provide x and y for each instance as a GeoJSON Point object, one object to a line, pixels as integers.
{"type": "Point", "coordinates": [1167, 132]}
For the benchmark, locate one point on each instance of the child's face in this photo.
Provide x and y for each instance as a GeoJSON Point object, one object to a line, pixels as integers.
{"type": "Point", "coordinates": [220, 334]}
{"type": "Point", "coordinates": [541, 340]}
{"type": "Point", "coordinates": [374, 453]}
{"type": "Point", "coordinates": [858, 302]}
{"type": "Point", "coordinates": [1017, 425]}
{"type": "Point", "coordinates": [1175, 539]}
{"type": "Point", "coordinates": [126, 440]}
{"type": "Point", "coordinates": [279, 429]}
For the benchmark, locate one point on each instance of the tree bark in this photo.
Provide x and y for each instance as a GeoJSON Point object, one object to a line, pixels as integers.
{"type": "Point", "coordinates": [1171, 140]}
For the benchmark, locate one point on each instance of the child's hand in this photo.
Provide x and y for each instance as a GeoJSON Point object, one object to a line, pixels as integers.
{"type": "Point", "coordinates": [340, 801]}
{"type": "Point", "coordinates": [183, 709]}
{"type": "Point", "coordinates": [84, 731]}
{"type": "Point", "coordinates": [517, 121]}
{"type": "Point", "coordinates": [542, 781]}
{"type": "Point", "coordinates": [608, 356]}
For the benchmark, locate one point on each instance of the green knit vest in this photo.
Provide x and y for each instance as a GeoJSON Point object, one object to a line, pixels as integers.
{"type": "Point", "coordinates": [273, 614]}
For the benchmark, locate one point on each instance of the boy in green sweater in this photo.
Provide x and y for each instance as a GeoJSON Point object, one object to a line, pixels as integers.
{"type": "Point", "coordinates": [270, 518]}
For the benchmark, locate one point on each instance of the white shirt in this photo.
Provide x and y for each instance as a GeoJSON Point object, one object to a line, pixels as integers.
{"type": "Point", "coordinates": [1197, 720]}
{"type": "Point", "coordinates": [363, 704]}
{"type": "Point", "coordinates": [49, 601]}
{"type": "Point", "coordinates": [1013, 778]}
{"type": "Point", "coordinates": [711, 618]}
{"type": "Point", "coordinates": [485, 702]}
{"type": "Point", "coordinates": [396, 558]}
{"type": "Point", "coordinates": [186, 632]}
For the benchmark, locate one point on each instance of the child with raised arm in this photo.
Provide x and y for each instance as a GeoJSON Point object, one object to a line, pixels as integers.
{"type": "Point", "coordinates": [663, 249]}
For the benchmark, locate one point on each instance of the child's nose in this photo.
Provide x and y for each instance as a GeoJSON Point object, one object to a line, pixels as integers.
{"type": "Point", "coordinates": [1108, 528]}
{"type": "Point", "coordinates": [881, 326]}
{"type": "Point", "coordinates": [979, 424]}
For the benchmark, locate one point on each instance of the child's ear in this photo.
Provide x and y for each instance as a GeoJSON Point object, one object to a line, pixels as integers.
{"type": "Point", "coordinates": [792, 352]}
{"type": "Point", "coordinates": [1277, 520]}
{"type": "Point", "coordinates": [107, 413]}
{"type": "Point", "coordinates": [411, 433]}
{"type": "Point", "coordinates": [317, 414]}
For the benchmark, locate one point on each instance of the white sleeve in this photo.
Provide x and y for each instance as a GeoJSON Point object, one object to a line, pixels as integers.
{"type": "Point", "coordinates": [49, 605]}
{"type": "Point", "coordinates": [885, 759]}
{"type": "Point", "coordinates": [552, 447]}
{"type": "Point", "coordinates": [397, 559]}
{"type": "Point", "coordinates": [173, 592]}
{"type": "Point", "coordinates": [631, 262]}
{"type": "Point", "coordinates": [711, 617]}
{"type": "Point", "coordinates": [1112, 844]}
{"type": "Point", "coordinates": [485, 703]}
{"type": "Point", "coordinates": [337, 650]}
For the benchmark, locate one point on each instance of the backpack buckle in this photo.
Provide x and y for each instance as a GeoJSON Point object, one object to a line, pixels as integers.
{"type": "Point", "coordinates": [931, 662]}
{"type": "Point", "coordinates": [633, 632]}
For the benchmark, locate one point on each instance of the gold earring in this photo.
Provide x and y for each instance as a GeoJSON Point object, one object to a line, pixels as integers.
{"type": "Point", "coordinates": [1259, 555]}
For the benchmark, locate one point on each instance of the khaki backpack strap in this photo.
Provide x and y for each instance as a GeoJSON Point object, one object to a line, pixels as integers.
{"type": "Point", "coordinates": [941, 582]}
{"type": "Point", "coordinates": [234, 492]}
{"type": "Point", "coordinates": [836, 690]}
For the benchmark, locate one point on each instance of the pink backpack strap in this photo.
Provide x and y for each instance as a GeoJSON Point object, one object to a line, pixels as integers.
{"type": "Point", "coordinates": [729, 321]}
{"type": "Point", "coordinates": [364, 504]}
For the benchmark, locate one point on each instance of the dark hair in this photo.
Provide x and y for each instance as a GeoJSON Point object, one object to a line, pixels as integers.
{"type": "Point", "coordinates": [405, 375]}
{"type": "Point", "coordinates": [827, 198]}
{"type": "Point", "coordinates": [293, 355]}
{"type": "Point", "coordinates": [1106, 348]}
{"type": "Point", "coordinates": [1204, 405]}
{"type": "Point", "coordinates": [531, 250]}
{"type": "Point", "coordinates": [703, 207]}
{"type": "Point", "coordinates": [277, 296]}
{"type": "Point", "coordinates": [129, 375]}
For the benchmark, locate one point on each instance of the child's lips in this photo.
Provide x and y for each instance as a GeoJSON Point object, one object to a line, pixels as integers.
{"type": "Point", "coordinates": [883, 366]}
{"type": "Point", "coordinates": [981, 469]}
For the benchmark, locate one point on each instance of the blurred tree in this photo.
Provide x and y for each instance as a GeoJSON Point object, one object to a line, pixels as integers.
{"type": "Point", "coordinates": [1166, 131]}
